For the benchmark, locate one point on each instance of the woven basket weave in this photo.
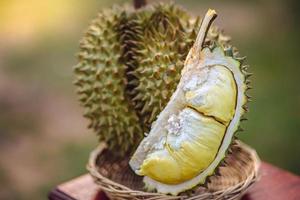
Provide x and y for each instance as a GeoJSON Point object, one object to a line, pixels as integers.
{"type": "Point", "coordinates": [118, 181]}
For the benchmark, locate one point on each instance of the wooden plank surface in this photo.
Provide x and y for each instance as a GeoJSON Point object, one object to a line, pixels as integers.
{"type": "Point", "coordinates": [275, 184]}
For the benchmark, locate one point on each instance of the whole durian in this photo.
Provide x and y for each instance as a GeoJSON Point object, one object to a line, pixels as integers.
{"type": "Point", "coordinates": [128, 68]}
{"type": "Point", "coordinates": [194, 131]}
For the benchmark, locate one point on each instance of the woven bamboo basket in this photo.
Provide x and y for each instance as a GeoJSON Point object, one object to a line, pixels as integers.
{"type": "Point", "coordinates": [117, 180]}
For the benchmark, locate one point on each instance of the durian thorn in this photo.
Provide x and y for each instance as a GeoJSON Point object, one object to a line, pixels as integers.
{"type": "Point", "coordinates": [245, 107]}
{"type": "Point", "coordinates": [248, 75]}
{"type": "Point", "coordinates": [245, 67]}
{"type": "Point", "coordinates": [249, 87]}
{"type": "Point", "coordinates": [244, 119]}
{"type": "Point", "coordinates": [247, 82]}
{"type": "Point", "coordinates": [240, 129]}
{"type": "Point", "coordinates": [204, 27]}
{"type": "Point", "coordinates": [248, 96]}
{"type": "Point", "coordinates": [241, 59]}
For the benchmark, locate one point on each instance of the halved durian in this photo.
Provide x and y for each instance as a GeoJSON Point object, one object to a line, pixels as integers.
{"type": "Point", "coordinates": [192, 134]}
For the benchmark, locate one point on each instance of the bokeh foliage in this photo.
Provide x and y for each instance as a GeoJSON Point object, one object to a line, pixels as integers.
{"type": "Point", "coordinates": [44, 139]}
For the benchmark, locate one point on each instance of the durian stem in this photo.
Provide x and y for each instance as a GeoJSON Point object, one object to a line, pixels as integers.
{"type": "Point", "coordinates": [204, 27]}
{"type": "Point", "coordinates": [139, 3]}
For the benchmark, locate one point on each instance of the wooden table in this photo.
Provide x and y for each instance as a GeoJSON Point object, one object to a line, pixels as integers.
{"type": "Point", "coordinates": [275, 184]}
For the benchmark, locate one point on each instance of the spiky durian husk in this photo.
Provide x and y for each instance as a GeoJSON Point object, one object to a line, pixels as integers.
{"type": "Point", "coordinates": [130, 32]}
{"type": "Point", "coordinates": [167, 37]}
{"type": "Point", "coordinates": [101, 80]}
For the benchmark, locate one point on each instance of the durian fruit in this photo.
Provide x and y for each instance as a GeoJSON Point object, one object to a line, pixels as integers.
{"type": "Point", "coordinates": [128, 68]}
{"type": "Point", "coordinates": [193, 133]}
{"type": "Point", "coordinates": [101, 83]}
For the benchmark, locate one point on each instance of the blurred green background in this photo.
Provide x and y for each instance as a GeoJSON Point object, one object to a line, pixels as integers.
{"type": "Point", "coordinates": [44, 139]}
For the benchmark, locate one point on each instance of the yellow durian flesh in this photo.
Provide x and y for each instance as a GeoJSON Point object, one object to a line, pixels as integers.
{"type": "Point", "coordinates": [188, 153]}
{"type": "Point", "coordinates": [194, 135]}
{"type": "Point", "coordinates": [217, 95]}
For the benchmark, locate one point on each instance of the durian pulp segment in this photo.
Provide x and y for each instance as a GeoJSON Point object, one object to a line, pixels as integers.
{"type": "Point", "coordinates": [212, 92]}
{"type": "Point", "coordinates": [191, 135]}
{"type": "Point", "coordinates": [194, 135]}
{"type": "Point", "coordinates": [186, 153]}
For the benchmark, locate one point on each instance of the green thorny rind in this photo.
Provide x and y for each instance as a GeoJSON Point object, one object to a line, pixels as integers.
{"type": "Point", "coordinates": [130, 32]}
{"type": "Point", "coordinates": [167, 37]}
{"type": "Point", "coordinates": [101, 81]}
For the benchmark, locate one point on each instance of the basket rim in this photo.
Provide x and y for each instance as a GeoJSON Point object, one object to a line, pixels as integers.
{"type": "Point", "coordinates": [112, 186]}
